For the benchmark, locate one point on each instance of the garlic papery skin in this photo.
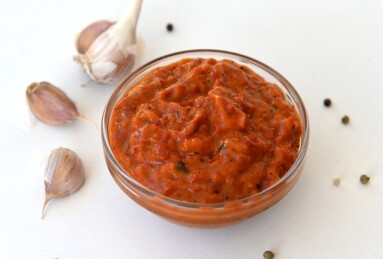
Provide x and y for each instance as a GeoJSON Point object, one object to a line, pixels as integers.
{"type": "Point", "coordinates": [90, 33]}
{"type": "Point", "coordinates": [112, 54]}
{"type": "Point", "coordinates": [50, 104]}
{"type": "Point", "coordinates": [64, 174]}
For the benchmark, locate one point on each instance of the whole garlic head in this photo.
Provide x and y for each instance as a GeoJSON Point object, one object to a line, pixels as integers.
{"type": "Point", "coordinates": [107, 50]}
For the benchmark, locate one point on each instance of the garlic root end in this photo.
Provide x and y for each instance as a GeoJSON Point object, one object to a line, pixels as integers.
{"type": "Point", "coordinates": [47, 198]}
{"type": "Point", "coordinates": [84, 118]}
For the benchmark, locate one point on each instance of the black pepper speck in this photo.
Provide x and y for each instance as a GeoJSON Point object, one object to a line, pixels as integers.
{"type": "Point", "coordinates": [327, 102]}
{"type": "Point", "coordinates": [169, 27]}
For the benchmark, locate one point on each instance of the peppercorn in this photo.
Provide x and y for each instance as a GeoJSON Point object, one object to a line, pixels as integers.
{"type": "Point", "coordinates": [182, 167]}
{"type": "Point", "coordinates": [169, 27]}
{"type": "Point", "coordinates": [268, 255]}
{"type": "Point", "coordinates": [364, 179]}
{"type": "Point", "coordinates": [336, 181]}
{"type": "Point", "coordinates": [327, 102]}
{"type": "Point", "coordinates": [345, 119]}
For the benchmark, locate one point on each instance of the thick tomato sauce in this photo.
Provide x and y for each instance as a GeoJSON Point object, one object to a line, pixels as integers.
{"type": "Point", "coordinates": [205, 131]}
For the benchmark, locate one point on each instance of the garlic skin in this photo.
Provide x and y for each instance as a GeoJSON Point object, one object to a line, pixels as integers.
{"type": "Point", "coordinates": [108, 55]}
{"type": "Point", "coordinates": [90, 33]}
{"type": "Point", "coordinates": [64, 175]}
{"type": "Point", "coordinates": [50, 104]}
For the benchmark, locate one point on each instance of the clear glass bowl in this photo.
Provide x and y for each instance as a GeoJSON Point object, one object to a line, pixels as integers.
{"type": "Point", "coordinates": [205, 215]}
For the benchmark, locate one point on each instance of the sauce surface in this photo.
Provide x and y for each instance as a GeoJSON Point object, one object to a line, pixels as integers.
{"type": "Point", "coordinates": [205, 131]}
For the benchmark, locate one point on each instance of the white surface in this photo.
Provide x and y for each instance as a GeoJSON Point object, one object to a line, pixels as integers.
{"type": "Point", "coordinates": [325, 48]}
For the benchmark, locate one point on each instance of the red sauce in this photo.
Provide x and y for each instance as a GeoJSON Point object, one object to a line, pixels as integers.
{"type": "Point", "coordinates": [205, 131]}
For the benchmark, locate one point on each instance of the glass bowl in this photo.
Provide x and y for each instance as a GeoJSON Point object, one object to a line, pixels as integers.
{"type": "Point", "coordinates": [216, 214]}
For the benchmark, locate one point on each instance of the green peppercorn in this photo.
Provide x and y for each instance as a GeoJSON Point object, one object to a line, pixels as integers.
{"type": "Point", "coordinates": [182, 167]}
{"type": "Point", "coordinates": [327, 102]}
{"type": "Point", "coordinates": [336, 181]}
{"type": "Point", "coordinates": [364, 179]}
{"type": "Point", "coordinates": [268, 255]}
{"type": "Point", "coordinates": [345, 119]}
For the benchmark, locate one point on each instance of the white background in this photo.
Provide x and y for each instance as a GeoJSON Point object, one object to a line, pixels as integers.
{"type": "Point", "coordinates": [324, 48]}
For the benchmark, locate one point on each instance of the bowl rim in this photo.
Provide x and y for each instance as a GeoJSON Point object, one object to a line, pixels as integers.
{"type": "Point", "coordinates": [121, 87]}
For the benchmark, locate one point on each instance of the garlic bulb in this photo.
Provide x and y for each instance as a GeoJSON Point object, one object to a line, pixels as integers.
{"type": "Point", "coordinates": [107, 50]}
{"type": "Point", "coordinates": [50, 104]}
{"type": "Point", "coordinates": [64, 174]}
{"type": "Point", "coordinates": [90, 33]}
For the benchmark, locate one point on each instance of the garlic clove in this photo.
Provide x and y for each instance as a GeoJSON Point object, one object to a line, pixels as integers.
{"type": "Point", "coordinates": [64, 175]}
{"type": "Point", "coordinates": [50, 104]}
{"type": "Point", "coordinates": [112, 54]}
{"type": "Point", "coordinates": [90, 33]}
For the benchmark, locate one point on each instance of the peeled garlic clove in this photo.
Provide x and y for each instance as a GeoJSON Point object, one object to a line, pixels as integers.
{"type": "Point", "coordinates": [64, 175]}
{"type": "Point", "coordinates": [90, 33]}
{"type": "Point", "coordinates": [111, 55]}
{"type": "Point", "coordinates": [50, 104]}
